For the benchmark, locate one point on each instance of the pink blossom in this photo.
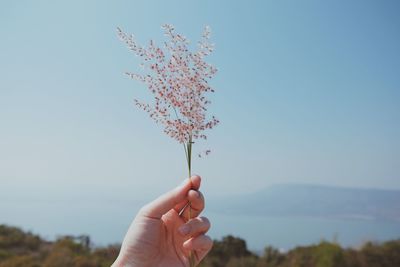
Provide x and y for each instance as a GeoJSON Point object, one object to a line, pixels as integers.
{"type": "Point", "coordinates": [179, 82]}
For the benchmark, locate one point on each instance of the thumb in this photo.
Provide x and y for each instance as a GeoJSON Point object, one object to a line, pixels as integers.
{"type": "Point", "coordinates": [157, 208]}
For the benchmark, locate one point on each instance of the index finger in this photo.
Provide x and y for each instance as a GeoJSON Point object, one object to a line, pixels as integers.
{"type": "Point", "coordinates": [157, 208]}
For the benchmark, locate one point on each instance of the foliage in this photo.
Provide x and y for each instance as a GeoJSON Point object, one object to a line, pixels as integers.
{"type": "Point", "coordinates": [24, 249]}
{"type": "Point", "coordinates": [233, 252]}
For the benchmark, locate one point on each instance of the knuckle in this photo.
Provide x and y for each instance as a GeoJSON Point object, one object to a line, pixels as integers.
{"type": "Point", "coordinates": [143, 210]}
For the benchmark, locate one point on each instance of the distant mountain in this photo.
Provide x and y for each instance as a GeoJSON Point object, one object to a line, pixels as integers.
{"type": "Point", "coordinates": [315, 201]}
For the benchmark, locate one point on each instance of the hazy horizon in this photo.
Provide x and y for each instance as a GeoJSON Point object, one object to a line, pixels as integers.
{"type": "Point", "coordinates": [283, 217]}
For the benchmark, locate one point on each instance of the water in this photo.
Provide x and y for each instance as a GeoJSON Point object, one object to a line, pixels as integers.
{"type": "Point", "coordinates": [106, 223]}
{"type": "Point", "coordinates": [287, 232]}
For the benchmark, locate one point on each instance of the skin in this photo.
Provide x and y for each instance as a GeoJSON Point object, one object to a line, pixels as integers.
{"type": "Point", "coordinates": [162, 234]}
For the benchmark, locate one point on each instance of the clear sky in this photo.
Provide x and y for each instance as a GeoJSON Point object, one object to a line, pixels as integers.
{"type": "Point", "coordinates": [307, 92]}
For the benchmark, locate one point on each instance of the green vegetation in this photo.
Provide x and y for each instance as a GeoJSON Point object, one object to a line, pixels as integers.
{"type": "Point", "coordinates": [232, 252]}
{"type": "Point", "coordinates": [24, 249]}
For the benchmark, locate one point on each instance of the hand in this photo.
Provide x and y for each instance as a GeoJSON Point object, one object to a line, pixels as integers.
{"type": "Point", "coordinates": [162, 234]}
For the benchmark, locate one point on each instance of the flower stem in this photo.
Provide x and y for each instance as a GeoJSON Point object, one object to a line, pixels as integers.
{"type": "Point", "coordinates": [188, 152]}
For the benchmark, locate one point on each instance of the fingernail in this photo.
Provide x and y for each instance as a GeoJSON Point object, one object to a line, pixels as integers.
{"type": "Point", "coordinates": [184, 229]}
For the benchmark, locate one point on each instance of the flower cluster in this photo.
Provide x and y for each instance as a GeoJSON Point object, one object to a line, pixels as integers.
{"type": "Point", "coordinates": [178, 79]}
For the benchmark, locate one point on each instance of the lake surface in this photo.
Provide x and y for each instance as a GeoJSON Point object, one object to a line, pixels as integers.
{"type": "Point", "coordinates": [106, 223]}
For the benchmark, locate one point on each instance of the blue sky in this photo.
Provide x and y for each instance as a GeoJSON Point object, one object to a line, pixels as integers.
{"type": "Point", "coordinates": [307, 92]}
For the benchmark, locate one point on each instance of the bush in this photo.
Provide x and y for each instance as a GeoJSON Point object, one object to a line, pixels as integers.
{"type": "Point", "coordinates": [24, 249]}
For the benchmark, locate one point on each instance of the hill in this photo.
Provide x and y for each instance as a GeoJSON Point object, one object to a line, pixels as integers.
{"type": "Point", "coordinates": [313, 200]}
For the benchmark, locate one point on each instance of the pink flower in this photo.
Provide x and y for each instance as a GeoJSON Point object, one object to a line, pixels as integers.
{"type": "Point", "coordinates": [178, 80]}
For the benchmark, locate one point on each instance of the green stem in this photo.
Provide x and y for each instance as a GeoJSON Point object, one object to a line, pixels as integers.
{"type": "Point", "coordinates": [189, 149]}
{"type": "Point", "coordinates": [188, 152]}
{"type": "Point", "coordinates": [184, 147]}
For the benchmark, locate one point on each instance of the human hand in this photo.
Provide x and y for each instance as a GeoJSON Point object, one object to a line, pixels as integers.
{"type": "Point", "coordinates": [162, 234]}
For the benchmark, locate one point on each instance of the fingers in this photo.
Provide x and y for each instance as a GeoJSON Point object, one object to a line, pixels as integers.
{"type": "Point", "coordinates": [201, 245]}
{"type": "Point", "coordinates": [197, 204]}
{"type": "Point", "coordinates": [157, 208]}
{"type": "Point", "coordinates": [195, 227]}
